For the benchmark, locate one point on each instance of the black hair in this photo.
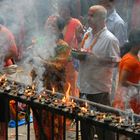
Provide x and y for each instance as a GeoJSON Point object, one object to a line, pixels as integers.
{"type": "Point", "coordinates": [133, 41]}
{"type": "Point", "coordinates": [125, 48]}
{"type": "Point", "coordinates": [60, 23]}
{"type": "Point", "coordinates": [134, 37]}
{"type": "Point", "coordinates": [111, 0]}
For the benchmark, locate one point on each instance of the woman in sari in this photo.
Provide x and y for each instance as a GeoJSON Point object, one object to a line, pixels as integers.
{"type": "Point", "coordinates": [69, 33]}
{"type": "Point", "coordinates": [54, 76]}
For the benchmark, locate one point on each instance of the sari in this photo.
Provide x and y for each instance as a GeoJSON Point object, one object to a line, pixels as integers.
{"type": "Point", "coordinates": [54, 76]}
{"type": "Point", "coordinates": [70, 38]}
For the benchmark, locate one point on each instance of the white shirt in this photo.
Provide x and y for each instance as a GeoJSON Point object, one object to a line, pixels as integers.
{"type": "Point", "coordinates": [117, 26]}
{"type": "Point", "coordinates": [94, 76]}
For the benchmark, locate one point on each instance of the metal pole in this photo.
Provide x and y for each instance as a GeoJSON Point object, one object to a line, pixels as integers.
{"type": "Point", "coordinates": [117, 135]}
{"type": "Point", "coordinates": [77, 129]}
{"type": "Point", "coordinates": [64, 127]}
{"type": "Point", "coordinates": [16, 104]}
{"type": "Point", "coordinates": [52, 126]}
{"type": "Point", "coordinates": [97, 105]}
{"type": "Point", "coordinates": [28, 122]}
{"type": "Point", "coordinates": [7, 117]}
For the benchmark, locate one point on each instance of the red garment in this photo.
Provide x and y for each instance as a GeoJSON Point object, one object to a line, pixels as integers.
{"type": "Point", "coordinates": [8, 43]}
{"type": "Point", "coordinates": [132, 65]}
{"type": "Point", "coordinates": [3, 128]}
{"type": "Point", "coordinates": [135, 104]}
{"type": "Point", "coordinates": [70, 28]}
{"type": "Point", "coordinates": [60, 60]}
{"type": "Point", "coordinates": [69, 37]}
{"type": "Point", "coordinates": [46, 119]}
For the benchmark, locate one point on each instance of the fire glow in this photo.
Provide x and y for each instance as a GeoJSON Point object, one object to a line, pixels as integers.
{"type": "Point", "coordinates": [53, 90]}
{"type": "Point", "coordinates": [66, 98]}
{"type": "Point", "coordinates": [84, 109]}
{"type": "Point", "coordinates": [33, 86]}
{"type": "Point", "coordinates": [29, 94]}
{"type": "Point", "coordinates": [3, 77]}
{"type": "Point", "coordinates": [72, 106]}
{"type": "Point", "coordinates": [39, 98]}
{"type": "Point", "coordinates": [68, 93]}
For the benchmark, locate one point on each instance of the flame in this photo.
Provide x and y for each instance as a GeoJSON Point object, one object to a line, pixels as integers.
{"type": "Point", "coordinates": [33, 86]}
{"type": "Point", "coordinates": [72, 103]}
{"type": "Point", "coordinates": [39, 98]}
{"type": "Point", "coordinates": [104, 116]}
{"type": "Point", "coordinates": [84, 109]}
{"type": "Point", "coordinates": [53, 90]}
{"type": "Point", "coordinates": [56, 101]}
{"type": "Point", "coordinates": [68, 92]}
{"type": "Point", "coordinates": [29, 93]}
{"type": "Point", "coordinates": [3, 77]}
{"type": "Point", "coordinates": [86, 105]}
{"type": "Point", "coordinates": [43, 92]}
{"type": "Point", "coordinates": [119, 119]}
{"type": "Point", "coordinates": [64, 99]}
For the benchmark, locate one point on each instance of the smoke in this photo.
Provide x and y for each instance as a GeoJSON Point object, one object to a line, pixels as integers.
{"type": "Point", "coordinates": [26, 20]}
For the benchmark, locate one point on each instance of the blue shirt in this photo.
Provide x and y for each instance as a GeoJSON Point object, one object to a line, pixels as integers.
{"type": "Point", "coordinates": [117, 26]}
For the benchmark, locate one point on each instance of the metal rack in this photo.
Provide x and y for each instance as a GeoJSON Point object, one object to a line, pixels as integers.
{"type": "Point", "coordinates": [34, 103]}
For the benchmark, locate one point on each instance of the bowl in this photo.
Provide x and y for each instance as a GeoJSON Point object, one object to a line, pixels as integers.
{"type": "Point", "coordinates": [108, 120]}
{"type": "Point", "coordinates": [80, 55]}
{"type": "Point", "coordinates": [10, 69]}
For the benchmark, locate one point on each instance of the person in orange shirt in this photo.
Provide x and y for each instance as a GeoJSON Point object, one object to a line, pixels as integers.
{"type": "Point", "coordinates": [129, 73]}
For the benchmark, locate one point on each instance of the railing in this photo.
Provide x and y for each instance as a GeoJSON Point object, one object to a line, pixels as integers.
{"type": "Point", "coordinates": [36, 104]}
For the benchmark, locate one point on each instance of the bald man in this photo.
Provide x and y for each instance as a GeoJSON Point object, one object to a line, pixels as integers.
{"type": "Point", "coordinates": [95, 72]}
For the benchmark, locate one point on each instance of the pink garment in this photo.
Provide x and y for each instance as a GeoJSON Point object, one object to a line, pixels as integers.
{"type": "Point", "coordinates": [70, 32]}
{"type": "Point", "coordinates": [8, 43]}
{"type": "Point", "coordinates": [70, 38]}
{"type": "Point", "coordinates": [135, 20]}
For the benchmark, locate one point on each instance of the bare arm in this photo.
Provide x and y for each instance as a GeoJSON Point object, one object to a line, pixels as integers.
{"type": "Point", "coordinates": [123, 79]}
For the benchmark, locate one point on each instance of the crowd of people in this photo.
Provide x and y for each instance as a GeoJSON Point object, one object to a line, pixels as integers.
{"type": "Point", "coordinates": [107, 75]}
